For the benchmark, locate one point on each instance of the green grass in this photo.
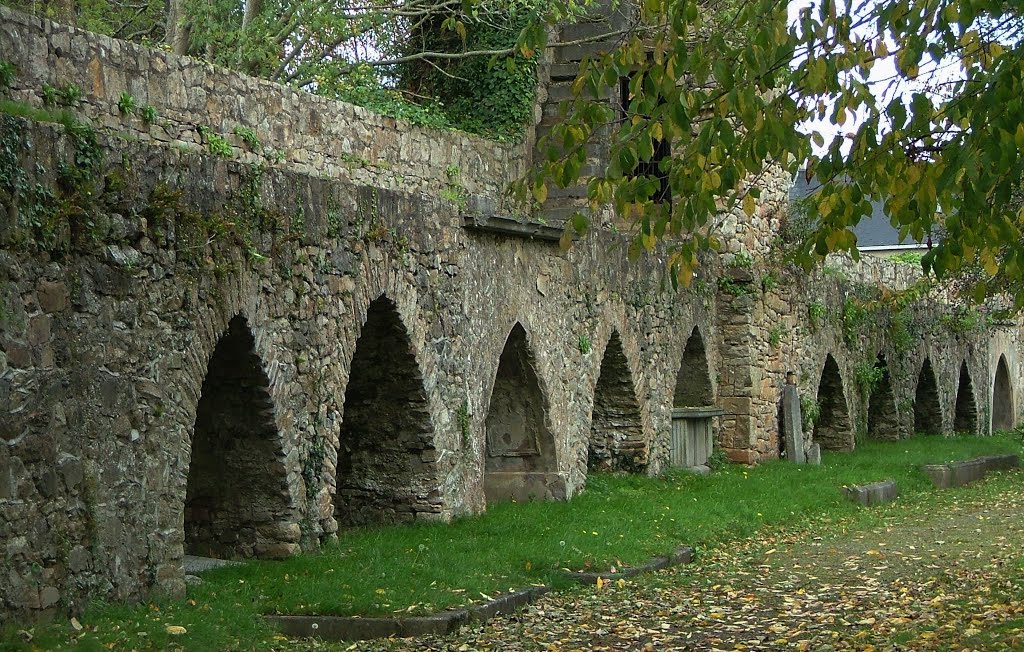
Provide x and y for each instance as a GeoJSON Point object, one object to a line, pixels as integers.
{"type": "Point", "coordinates": [618, 520]}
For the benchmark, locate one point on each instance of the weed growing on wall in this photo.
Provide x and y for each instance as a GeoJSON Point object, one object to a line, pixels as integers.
{"type": "Point", "coordinates": [869, 377]}
{"type": "Point", "coordinates": [215, 143]}
{"type": "Point", "coordinates": [584, 344]}
{"type": "Point", "coordinates": [810, 411]}
{"type": "Point", "coordinates": [855, 317]}
{"type": "Point", "coordinates": [126, 104]}
{"type": "Point", "coordinates": [900, 333]}
{"type": "Point", "coordinates": [816, 311]}
{"type": "Point", "coordinates": [49, 218]}
{"type": "Point", "coordinates": [148, 114]}
{"type": "Point", "coordinates": [7, 74]}
{"type": "Point", "coordinates": [249, 137]}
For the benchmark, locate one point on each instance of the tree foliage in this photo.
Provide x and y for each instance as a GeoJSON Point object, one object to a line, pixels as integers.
{"type": "Point", "coordinates": [444, 63]}
{"type": "Point", "coordinates": [938, 138]}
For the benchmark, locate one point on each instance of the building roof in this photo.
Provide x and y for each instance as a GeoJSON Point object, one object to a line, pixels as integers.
{"type": "Point", "coordinates": [874, 230]}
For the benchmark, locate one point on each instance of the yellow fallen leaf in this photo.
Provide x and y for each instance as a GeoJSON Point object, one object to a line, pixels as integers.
{"type": "Point", "coordinates": [175, 630]}
{"type": "Point", "coordinates": [600, 583]}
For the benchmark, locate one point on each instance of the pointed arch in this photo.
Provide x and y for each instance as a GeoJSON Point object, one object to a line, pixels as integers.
{"type": "Point", "coordinates": [965, 417]}
{"type": "Point", "coordinates": [1003, 413]}
{"type": "Point", "coordinates": [386, 469]}
{"type": "Point", "coordinates": [520, 448]}
{"type": "Point", "coordinates": [833, 430]}
{"type": "Point", "coordinates": [693, 381]}
{"type": "Point", "coordinates": [927, 407]}
{"type": "Point", "coordinates": [883, 421]}
{"type": "Point", "coordinates": [616, 434]}
{"type": "Point", "coordinates": [237, 501]}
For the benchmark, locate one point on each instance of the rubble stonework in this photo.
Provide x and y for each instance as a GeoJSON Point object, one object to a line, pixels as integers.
{"type": "Point", "coordinates": [240, 355]}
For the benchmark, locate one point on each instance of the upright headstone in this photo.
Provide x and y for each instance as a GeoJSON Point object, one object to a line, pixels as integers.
{"type": "Point", "coordinates": [814, 454]}
{"type": "Point", "coordinates": [792, 424]}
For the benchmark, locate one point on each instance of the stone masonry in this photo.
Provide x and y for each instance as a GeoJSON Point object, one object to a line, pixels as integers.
{"type": "Point", "coordinates": [237, 354]}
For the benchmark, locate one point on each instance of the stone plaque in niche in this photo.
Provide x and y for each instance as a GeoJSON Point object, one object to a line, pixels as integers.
{"type": "Point", "coordinates": [512, 436]}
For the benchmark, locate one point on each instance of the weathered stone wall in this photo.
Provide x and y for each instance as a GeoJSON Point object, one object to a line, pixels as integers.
{"type": "Point", "coordinates": [108, 337]}
{"type": "Point", "coordinates": [784, 320]}
{"type": "Point", "coordinates": [310, 134]}
{"type": "Point", "coordinates": [360, 325]}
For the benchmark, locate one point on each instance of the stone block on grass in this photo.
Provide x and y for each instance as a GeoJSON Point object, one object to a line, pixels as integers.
{"type": "Point", "coordinates": [958, 474]}
{"type": "Point", "coordinates": [875, 493]}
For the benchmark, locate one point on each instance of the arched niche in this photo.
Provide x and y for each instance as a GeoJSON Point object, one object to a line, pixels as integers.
{"type": "Point", "coordinates": [965, 416]}
{"type": "Point", "coordinates": [520, 459]}
{"type": "Point", "coordinates": [237, 501]}
{"type": "Point", "coordinates": [616, 434]}
{"type": "Point", "coordinates": [1002, 398]}
{"type": "Point", "coordinates": [927, 407]}
{"type": "Point", "coordinates": [833, 430]}
{"type": "Point", "coordinates": [693, 381]}
{"type": "Point", "coordinates": [883, 422]}
{"type": "Point", "coordinates": [386, 469]}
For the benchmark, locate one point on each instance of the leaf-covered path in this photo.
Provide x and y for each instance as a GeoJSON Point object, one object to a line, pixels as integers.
{"type": "Point", "coordinates": [942, 575]}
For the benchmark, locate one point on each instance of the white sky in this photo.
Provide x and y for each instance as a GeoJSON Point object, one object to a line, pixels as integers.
{"type": "Point", "coordinates": [884, 79]}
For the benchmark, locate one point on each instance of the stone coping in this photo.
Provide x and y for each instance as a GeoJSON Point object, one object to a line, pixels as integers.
{"type": "Point", "coordinates": [681, 555]}
{"type": "Point", "coordinates": [957, 474]}
{"type": "Point", "coordinates": [194, 564]}
{"type": "Point", "coordinates": [358, 628]}
{"type": "Point", "coordinates": [504, 225]}
{"type": "Point", "coordinates": [703, 412]}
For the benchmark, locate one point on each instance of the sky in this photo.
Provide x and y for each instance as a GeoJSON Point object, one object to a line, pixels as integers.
{"type": "Point", "coordinates": [883, 78]}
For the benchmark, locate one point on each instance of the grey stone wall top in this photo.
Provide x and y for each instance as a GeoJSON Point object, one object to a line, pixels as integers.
{"type": "Point", "coordinates": [311, 134]}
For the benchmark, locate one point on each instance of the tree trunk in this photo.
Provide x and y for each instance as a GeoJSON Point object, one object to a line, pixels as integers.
{"type": "Point", "coordinates": [252, 9]}
{"type": "Point", "coordinates": [178, 32]}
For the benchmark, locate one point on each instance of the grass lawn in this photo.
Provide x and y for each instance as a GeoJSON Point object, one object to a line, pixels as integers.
{"type": "Point", "coordinates": [618, 520]}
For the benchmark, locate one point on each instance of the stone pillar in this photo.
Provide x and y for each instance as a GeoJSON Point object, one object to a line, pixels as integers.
{"type": "Point", "coordinates": [792, 421]}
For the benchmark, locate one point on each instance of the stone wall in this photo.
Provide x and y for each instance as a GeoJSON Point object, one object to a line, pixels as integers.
{"type": "Point", "coordinates": [323, 327]}
{"type": "Point", "coordinates": [175, 340]}
{"type": "Point", "coordinates": [307, 133]}
{"type": "Point", "coordinates": [785, 320]}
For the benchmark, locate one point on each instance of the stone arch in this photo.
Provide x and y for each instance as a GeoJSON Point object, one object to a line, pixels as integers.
{"type": "Point", "coordinates": [833, 429]}
{"type": "Point", "coordinates": [965, 417]}
{"type": "Point", "coordinates": [616, 432]}
{"type": "Point", "coordinates": [520, 460]}
{"type": "Point", "coordinates": [386, 469]}
{"type": "Point", "coordinates": [237, 499]}
{"type": "Point", "coordinates": [1003, 414]}
{"type": "Point", "coordinates": [927, 407]}
{"type": "Point", "coordinates": [693, 381]}
{"type": "Point", "coordinates": [883, 421]}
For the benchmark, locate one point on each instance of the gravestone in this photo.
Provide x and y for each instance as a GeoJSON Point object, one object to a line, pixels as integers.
{"type": "Point", "coordinates": [792, 424]}
{"type": "Point", "coordinates": [814, 454]}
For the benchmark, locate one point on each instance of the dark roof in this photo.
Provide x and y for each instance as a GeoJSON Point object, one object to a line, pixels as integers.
{"type": "Point", "coordinates": [875, 230]}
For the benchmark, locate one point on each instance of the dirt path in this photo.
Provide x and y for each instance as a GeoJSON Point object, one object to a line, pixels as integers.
{"type": "Point", "coordinates": [949, 577]}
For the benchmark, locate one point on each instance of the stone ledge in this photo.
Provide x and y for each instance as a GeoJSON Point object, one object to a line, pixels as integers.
{"type": "Point", "coordinates": [503, 225]}
{"type": "Point", "coordinates": [356, 628]}
{"type": "Point", "coordinates": [875, 493]}
{"type": "Point", "coordinates": [194, 565]}
{"type": "Point", "coordinates": [957, 474]}
{"type": "Point", "coordinates": [704, 412]}
{"type": "Point", "coordinates": [681, 555]}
